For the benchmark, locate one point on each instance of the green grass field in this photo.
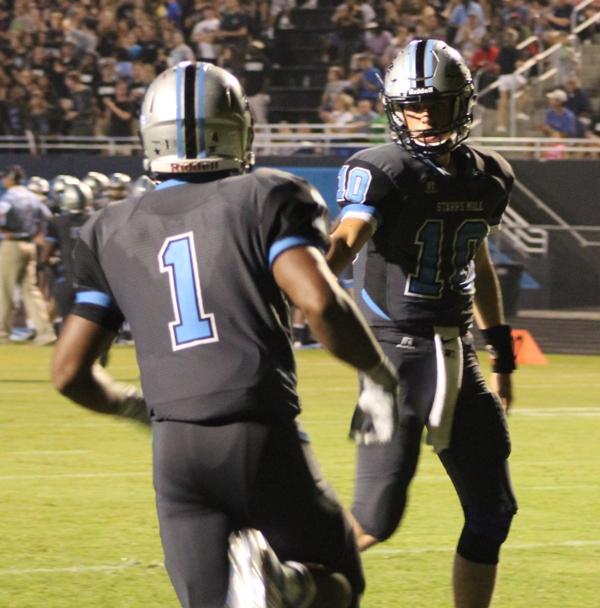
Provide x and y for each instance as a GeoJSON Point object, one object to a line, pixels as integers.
{"type": "Point", "coordinates": [77, 521]}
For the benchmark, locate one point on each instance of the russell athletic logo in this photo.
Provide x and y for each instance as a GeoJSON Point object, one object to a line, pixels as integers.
{"type": "Point", "coordinates": [406, 342]}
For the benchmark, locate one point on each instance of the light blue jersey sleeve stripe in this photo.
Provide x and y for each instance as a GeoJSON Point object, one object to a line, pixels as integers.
{"type": "Point", "coordinates": [367, 209]}
{"type": "Point", "coordinates": [289, 242]}
{"type": "Point", "coordinates": [346, 283]}
{"type": "Point", "coordinates": [98, 298]}
{"type": "Point", "coordinates": [366, 213]}
{"type": "Point", "coordinates": [178, 116]}
{"type": "Point", "coordinates": [371, 304]}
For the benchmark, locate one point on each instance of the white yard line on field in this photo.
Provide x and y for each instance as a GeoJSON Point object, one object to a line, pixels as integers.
{"type": "Point", "coordinates": [383, 551]}
{"type": "Point", "coordinates": [508, 547]}
{"type": "Point", "coordinates": [44, 452]}
{"type": "Point", "coordinates": [74, 475]}
{"type": "Point", "coordinates": [78, 569]}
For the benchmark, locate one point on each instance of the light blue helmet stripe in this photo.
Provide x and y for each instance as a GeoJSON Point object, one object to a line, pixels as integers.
{"type": "Point", "coordinates": [201, 110]}
{"type": "Point", "coordinates": [429, 63]}
{"type": "Point", "coordinates": [412, 63]}
{"type": "Point", "coordinates": [178, 109]}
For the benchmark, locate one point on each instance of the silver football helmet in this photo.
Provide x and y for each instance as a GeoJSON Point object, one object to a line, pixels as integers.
{"type": "Point", "coordinates": [428, 71]}
{"type": "Point", "coordinates": [57, 185]}
{"type": "Point", "coordinates": [38, 185]}
{"type": "Point", "coordinates": [97, 181]}
{"type": "Point", "coordinates": [195, 119]}
{"type": "Point", "coordinates": [141, 185]}
{"type": "Point", "coordinates": [74, 197]}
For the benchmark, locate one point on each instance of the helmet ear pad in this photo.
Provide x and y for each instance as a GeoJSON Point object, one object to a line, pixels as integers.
{"type": "Point", "coordinates": [429, 70]}
{"type": "Point", "coordinates": [195, 119]}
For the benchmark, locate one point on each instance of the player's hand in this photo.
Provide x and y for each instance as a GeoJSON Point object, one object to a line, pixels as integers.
{"type": "Point", "coordinates": [133, 406]}
{"type": "Point", "coordinates": [502, 384]}
{"type": "Point", "coordinates": [376, 417]}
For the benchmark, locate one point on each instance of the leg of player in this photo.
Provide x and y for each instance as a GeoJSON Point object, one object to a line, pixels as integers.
{"type": "Point", "coordinates": [364, 540]}
{"type": "Point", "coordinates": [477, 464]}
{"type": "Point", "coordinates": [473, 583]}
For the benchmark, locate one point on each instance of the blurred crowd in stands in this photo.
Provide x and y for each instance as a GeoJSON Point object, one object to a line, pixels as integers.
{"type": "Point", "coordinates": [81, 68]}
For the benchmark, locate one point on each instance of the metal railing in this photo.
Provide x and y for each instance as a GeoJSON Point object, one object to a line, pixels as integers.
{"type": "Point", "coordinates": [306, 139]}
{"type": "Point", "coordinates": [523, 236]}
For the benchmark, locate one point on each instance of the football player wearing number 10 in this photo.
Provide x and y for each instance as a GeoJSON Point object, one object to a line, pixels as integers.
{"type": "Point", "coordinates": [199, 267]}
{"type": "Point", "coordinates": [417, 213]}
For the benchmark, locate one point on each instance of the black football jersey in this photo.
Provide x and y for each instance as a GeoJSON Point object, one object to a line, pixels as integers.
{"type": "Point", "coordinates": [63, 231]}
{"type": "Point", "coordinates": [189, 266]}
{"type": "Point", "coordinates": [417, 271]}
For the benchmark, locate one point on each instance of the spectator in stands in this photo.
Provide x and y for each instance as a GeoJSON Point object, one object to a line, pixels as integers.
{"type": "Point", "coordinates": [234, 26]}
{"type": "Point", "coordinates": [428, 24]}
{"type": "Point", "coordinates": [203, 34]}
{"type": "Point", "coordinates": [149, 44]}
{"type": "Point", "coordinates": [119, 112]}
{"type": "Point", "coordinates": [403, 36]}
{"type": "Point", "coordinates": [557, 18]}
{"type": "Point", "coordinates": [255, 78]}
{"type": "Point", "coordinates": [68, 58]}
{"type": "Point", "coordinates": [38, 113]}
{"type": "Point", "coordinates": [377, 41]}
{"type": "Point", "coordinates": [229, 59]}
{"type": "Point", "coordinates": [336, 84]}
{"type": "Point", "coordinates": [179, 51]}
{"type": "Point", "coordinates": [509, 84]}
{"type": "Point", "coordinates": [459, 13]}
{"type": "Point", "coordinates": [363, 118]}
{"type": "Point", "coordinates": [15, 108]}
{"type": "Point", "coordinates": [469, 36]}
{"type": "Point", "coordinates": [579, 103]}
{"type": "Point", "coordinates": [510, 10]}
{"type": "Point", "coordinates": [79, 107]}
{"type": "Point", "coordinates": [89, 70]}
{"type": "Point", "coordinates": [559, 120]}
{"type": "Point", "coordinates": [368, 81]}
{"type": "Point", "coordinates": [342, 113]}
{"type": "Point", "coordinates": [173, 13]}
{"type": "Point", "coordinates": [348, 37]}
{"type": "Point", "coordinates": [38, 61]}
{"type": "Point", "coordinates": [484, 56]}
{"type": "Point", "coordinates": [142, 74]}
{"type": "Point", "coordinates": [107, 32]}
{"type": "Point", "coordinates": [106, 86]}
{"type": "Point", "coordinates": [393, 11]}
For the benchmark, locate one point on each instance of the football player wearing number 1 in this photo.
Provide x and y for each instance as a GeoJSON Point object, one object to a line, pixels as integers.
{"type": "Point", "coordinates": [417, 213]}
{"type": "Point", "coordinates": [199, 267]}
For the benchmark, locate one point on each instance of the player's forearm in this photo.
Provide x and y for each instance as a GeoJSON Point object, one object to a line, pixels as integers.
{"type": "Point", "coordinates": [339, 255]}
{"type": "Point", "coordinates": [488, 309]}
{"type": "Point", "coordinates": [96, 390]}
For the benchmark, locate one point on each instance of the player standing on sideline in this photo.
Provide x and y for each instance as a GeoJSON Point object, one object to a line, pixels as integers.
{"type": "Point", "coordinates": [199, 267]}
{"type": "Point", "coordinates": [419, 214]}
{"type": "Point", "coordinates": [75, 201]}
{"type": "Point", "coordinates": [22, 216]}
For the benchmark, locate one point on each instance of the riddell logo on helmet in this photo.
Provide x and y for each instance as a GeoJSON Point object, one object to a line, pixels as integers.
{"type": "Point", "coordinates": [195, 167]}
{"type": "Point", "coordinates": [420, 91]}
